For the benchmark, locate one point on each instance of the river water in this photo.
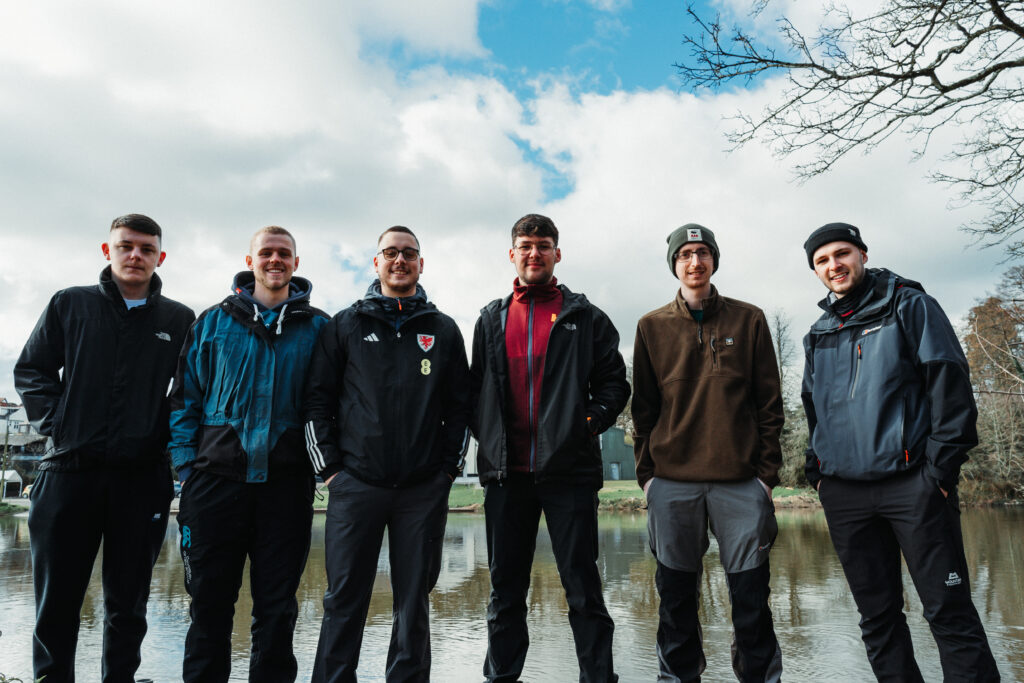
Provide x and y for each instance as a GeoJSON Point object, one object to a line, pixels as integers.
{"type": "Point", "coordinates": [815, 617]}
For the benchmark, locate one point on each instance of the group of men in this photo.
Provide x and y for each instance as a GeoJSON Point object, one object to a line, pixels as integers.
{"type": "Point", "coordinates": [379, 401]}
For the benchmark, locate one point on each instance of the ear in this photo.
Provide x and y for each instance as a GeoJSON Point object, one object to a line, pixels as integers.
{"type": "Point", "coordinates": [375, 263]}
{"type": "Point", "coordinates": [863, 256]}
{"type": "Point", "coordinates": [558, 255]}
{"type": "Point", "coordinates": [106, 250]}
{"type": "Point", "coordinates": [159, 261]}
{"type": "Point", "coordinates": [511, 255]}
{"type": "Point", "coordinates": [248, 261]}
{"type": "Point", "coordinates": [296, 266]}
{"type": "Point", "coordinates": [421, 264]}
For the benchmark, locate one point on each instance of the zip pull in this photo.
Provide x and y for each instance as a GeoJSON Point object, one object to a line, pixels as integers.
{"type": "Point", "coordinates": [700, 335]}
{"type": "Point", "coordinates": [399, 300]}
{"type": "Point", "coordinates": [858, 352]}
{"type": "Point", "coordinates": [907, 454]}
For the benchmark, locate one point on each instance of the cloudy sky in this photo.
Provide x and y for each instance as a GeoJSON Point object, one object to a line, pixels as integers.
{"type": "Point", "coordinates": [339, 118]}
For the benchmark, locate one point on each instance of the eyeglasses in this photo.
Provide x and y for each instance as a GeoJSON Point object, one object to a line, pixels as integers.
{"type": "Point", "coordinates": [685, 255]}
{"type": "Point", "coordinates": [524, 249]}
{"type": "Point", "coordinates": [391, 253]}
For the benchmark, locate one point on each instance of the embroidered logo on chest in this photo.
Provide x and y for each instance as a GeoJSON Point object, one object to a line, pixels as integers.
{"type": "Point", "coordinates": [425, 341]}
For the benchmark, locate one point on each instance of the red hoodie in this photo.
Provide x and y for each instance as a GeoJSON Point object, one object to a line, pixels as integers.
{"type": "Point", "coordinates": [531, 315]}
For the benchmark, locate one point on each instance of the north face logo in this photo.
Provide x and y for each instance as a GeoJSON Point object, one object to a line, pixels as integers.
{"type": "Point", "coordinates": [694, 235]}
{"type": "Point", "coordinates": [163, 336]}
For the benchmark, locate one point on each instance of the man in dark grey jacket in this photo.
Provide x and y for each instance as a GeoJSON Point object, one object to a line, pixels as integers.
{"type": "Point", "coordinates": [891, 414]}
{"type": "Point", "coordinates": [547, 379]}
{"type": "Point", "coordinates": [93, 377]}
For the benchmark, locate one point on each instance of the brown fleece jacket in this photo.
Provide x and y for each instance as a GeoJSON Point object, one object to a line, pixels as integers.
{"type": "Point", "coordinates": [707, 404]}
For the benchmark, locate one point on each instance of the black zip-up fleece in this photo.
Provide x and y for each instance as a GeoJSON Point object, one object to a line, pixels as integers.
{"type": "Point", "coordinates": [584, 377]}
{"type": "Point", "coordinates": [386, 394]}
{"type": "Point", "coordinates": [887, 389]}
{"type": "Point", "coordinates": [109, 408]}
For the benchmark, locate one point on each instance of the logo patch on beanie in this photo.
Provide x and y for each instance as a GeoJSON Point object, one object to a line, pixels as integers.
{"type": "Point", "coordinates": [694, 235]}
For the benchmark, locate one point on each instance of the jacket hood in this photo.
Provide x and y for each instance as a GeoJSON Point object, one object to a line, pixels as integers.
{"type": "Point", "coordinates": [875, 300]}
{"type": "Point", "coordinates": [109, 287]}
{"type": "Point", "coordinates": [375, 300]}
{"type": "Point", "coordinates": [244, 285]}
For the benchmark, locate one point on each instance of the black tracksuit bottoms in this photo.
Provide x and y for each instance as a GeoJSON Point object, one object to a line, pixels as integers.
{"type": "Point", "coordinates": [357, 515]}
{"type": "Point", "coordinates": [221, 522]}
{"type": "Point", "coordinates": [513, 508]}
{"type": "Point", "coordinates": [71, 513]}
{"type": "Point", "coordinates": [871, 523]}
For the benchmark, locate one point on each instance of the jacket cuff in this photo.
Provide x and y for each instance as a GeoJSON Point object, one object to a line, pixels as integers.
{"type": "Point", "coordinates": [182, 456]}
{"type": "Point", "coordinates": [184, 472]}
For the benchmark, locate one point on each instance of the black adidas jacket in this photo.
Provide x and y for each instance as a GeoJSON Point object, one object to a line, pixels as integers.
{"type": "Point", "coordinates": [386, 394]}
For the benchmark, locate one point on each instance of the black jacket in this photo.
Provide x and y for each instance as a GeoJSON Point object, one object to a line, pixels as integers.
{"type": "Point", "coordinates": [887, 389]}
{"type": "Point", "coordinates": [386, 392]}
{"type": "Point", "coordinates": [584, 376]}
{"type": "Point", "coordinates": [109, 409]}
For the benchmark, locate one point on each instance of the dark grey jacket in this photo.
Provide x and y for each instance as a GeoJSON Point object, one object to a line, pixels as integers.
{"type": "Point", "coordinates": [584, 376]}
{"type": "Point", "coordinates": [887, 389]}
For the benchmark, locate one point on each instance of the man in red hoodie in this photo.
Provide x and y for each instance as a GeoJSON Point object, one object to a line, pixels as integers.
{"type": "Point", "coordinates": [547, 379]}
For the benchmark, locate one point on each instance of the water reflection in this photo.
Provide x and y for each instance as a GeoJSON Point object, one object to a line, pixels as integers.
{"type": "Point", "coordinates": [815, 615]}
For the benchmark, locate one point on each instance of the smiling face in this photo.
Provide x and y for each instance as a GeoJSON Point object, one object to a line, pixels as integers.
{"type": "Point", "coordinates": [133, 257]}
{"type": "Point", "coordinates": [840, 266]}
{"type": "Point", "coordinates": [695, 272]}
{"type": "Point", "coordinates": [534, 259]}
{"type": "Point", "coordinates": [398, 277]}
{"type": "Point", "coordinates": [272, 261]}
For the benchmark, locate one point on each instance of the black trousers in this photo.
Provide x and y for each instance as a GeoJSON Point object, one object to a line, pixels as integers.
{"type": "Point", "coordinates": [513, 510]}
{"type": "Point", "coordinates": [871, 523]}
{"type": "Point", "coordinates": [71, 513]}
{"type": "Point", "coordinates": [357, 514]}
{"type": "Point", "coordinates": [221, 522]}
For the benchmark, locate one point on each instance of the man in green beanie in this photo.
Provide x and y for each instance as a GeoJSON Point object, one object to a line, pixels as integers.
{"type": "Point", "coordinates": [707, 414]}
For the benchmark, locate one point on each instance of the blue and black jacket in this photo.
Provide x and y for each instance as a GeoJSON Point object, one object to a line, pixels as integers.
{"type": "Point", "coordinates": [236, 402]}
{"type": "Point", "coordinates": [887, 388]}
{"type": "Point", "coordinates": [387, 393]}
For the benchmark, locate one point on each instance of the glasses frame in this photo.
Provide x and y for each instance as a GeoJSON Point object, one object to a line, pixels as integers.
{"type": "Point", "coordinates": [404, 252]}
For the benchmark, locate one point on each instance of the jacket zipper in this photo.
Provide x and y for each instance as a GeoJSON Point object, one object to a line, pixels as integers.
{"type": "Point", "coordinates": [856, 373]}
{"type": "Point", "coordinates": [714, 354]}
{"type": "Point", "coordinates": [529, 373]}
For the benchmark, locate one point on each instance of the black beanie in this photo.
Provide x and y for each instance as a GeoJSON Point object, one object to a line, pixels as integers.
{"type": "Point", "coordinates": [691, 232]}
{"type": "Point", "coordinates": [832, 232]}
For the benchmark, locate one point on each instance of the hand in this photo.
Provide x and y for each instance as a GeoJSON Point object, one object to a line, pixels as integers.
{"type": "Point", "coordinates": [647, 486]}
{"type": "Point", "coordinates": [330, 478]}
{"type": "Point", "coordinates": [450, 477]}
{"type": "Point", "coordinates": [818, 485]}
{"type": "Point", "coordinates": [767, 488]}
{"type": "Point", "coordinates": [945, 493]}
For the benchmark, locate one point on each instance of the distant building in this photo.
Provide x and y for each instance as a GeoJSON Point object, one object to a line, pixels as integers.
{"type": "Point", "coordinates": [616, 456]}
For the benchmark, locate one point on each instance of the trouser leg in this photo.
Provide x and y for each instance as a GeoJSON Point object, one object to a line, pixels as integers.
{"type": "Point", "coordinates": [870, 556]}
{"type": "Point", "coordinates": [680, 653]}
{"type": "Point", "coordinates": [512, 516]}
{"type": "Point", "coordinates": [742, 517]}
{"type": "Point", "coordinates": [65, 524]}
{"type": "Point", "coordinates": [281, 530]}
{"type": "Point", "coordinates": [353, 532]}
{"type": "Point", "coordinates": [133, 534]}
{"type": "Point", "coordinates": [927, 525]}
{"type": "Point", "coordinates": [677, 525]}
{"type": "Point", "coordinates": [213, 521]}
{"type": "Point", "coordinates": [571, 516]}
{"type": "Point", "coordinates": [415, 538]}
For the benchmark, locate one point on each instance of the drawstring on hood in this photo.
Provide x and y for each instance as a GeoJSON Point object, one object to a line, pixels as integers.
{"type": "Point", "coordinates": [245, 284]}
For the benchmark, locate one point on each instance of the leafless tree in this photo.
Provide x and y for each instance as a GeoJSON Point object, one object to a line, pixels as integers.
{"type": "Point", "coordinates": [915, 66]}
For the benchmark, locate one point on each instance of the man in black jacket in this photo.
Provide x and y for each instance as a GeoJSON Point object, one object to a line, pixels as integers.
{"type": "Point", "coordinates": [106, 477]}
{"type": "Point", "coordinates": [386, 409]}
{"type": "Point", "coordinates": [547, 379]}
{"type": "Point", "coordinates": [891, 413]}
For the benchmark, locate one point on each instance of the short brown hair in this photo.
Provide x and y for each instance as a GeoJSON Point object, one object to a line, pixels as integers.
{"type": "Point", "coordinates": [399, 228]}
{"type": "Point", "coordinates": [533, 224]}
{"type": "Point", "coordinates": [273, 230]}
{"type": "Point", "coordinates": [138, 223]}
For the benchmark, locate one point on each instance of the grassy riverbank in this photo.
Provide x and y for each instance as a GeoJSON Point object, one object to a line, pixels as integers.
{"type": "Point", "coordinates": [8, 509]}
{"type": "Point", "coordinates": [615, 495]}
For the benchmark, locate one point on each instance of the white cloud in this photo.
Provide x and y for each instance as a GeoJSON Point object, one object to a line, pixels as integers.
{"type": "Point", "coordinates": [217, 120]}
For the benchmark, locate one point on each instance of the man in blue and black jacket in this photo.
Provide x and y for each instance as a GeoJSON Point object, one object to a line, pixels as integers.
{"type": "Point", "coordinates": [889, 404]}
{"type": "Point", "coordinates": [386, 409]}
{"type": "Point", "coordinates": [237, 443]}
{"type": "Point", "coordinates": [93, 377]}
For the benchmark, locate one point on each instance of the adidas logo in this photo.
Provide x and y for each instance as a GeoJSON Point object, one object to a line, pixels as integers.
{"type": "Point", "coordinates": [372, 337]}
{"type": "Point", "coordinates": [953, 579]}
{"type": "Point", "coordinates": [164, 336]}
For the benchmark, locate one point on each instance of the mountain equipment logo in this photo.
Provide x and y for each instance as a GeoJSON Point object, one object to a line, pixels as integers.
{"type": "Point", "coordinates": [953, 580]}
{"type": "Point", "coordinates": [694, 235]}
{"type": "Point", "coordinates": [163, 335]}
{"type": "Point", "coordinates": [371, 337]}
{"type": "Point", "coordinates": [870, 330]}
{"type": "Point", "coordinates": [426, 341]}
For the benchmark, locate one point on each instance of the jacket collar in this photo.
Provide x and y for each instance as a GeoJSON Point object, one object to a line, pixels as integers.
{"type": "Point", "coordinates": [110, 290]}
{"type": "Point", "coordinates": [711, 305]}
{"type": "Point", "coordinates": [874, 301]}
